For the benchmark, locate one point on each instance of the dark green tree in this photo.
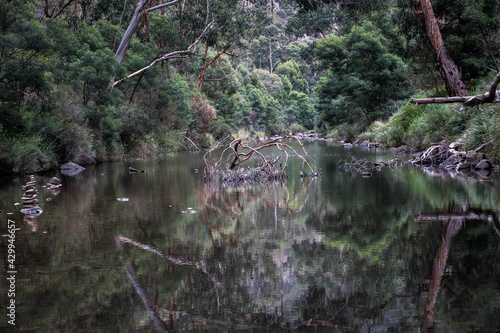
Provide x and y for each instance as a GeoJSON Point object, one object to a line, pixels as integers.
{"type": "Point", "coordinates": [362, 78]}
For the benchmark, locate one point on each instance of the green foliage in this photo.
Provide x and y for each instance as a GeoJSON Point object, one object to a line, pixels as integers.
{"type": "Point", "coordinates": [419, 126]}
{"type": "Point", "coordinates": [93, 70]}
{"type": "Point", "coordinates": [169, 141]}
{"type": "Point", "coordinates": [469, 31]}
{"type": "Point", "coordinates": [265, 109]}
{"type": "Point", "coordinates": [25, 154]}
{"type": "Point", "coordinates": [55, 72]}
{"type": "Point", "coordinates": [363, 76]}
{"type": "Point", "coordinates": [173, 103]}
{"type": "Point", "coordinates": [484, 129]}
{"type": "Point", "coordinates": [299, 109]}
{"type": "Point", "coordinates": [291, 70]}
{"type": "Point", "coordinates": [276, 129]}
{"type": "Point", "coordinates": [78, 144]}
{"type": "Point", "coordinates": [317, 22]}
{"type": "Point", "coordinates": [296, 128]}
{"type": "Point", "coordinates": [270, 82]}
{"type": "Point", "coordinates": [23, 60]}
{"type": "Point", "coordinates": [162, 32]}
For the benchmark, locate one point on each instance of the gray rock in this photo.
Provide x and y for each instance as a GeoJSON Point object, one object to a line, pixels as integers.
{"type": "Point", "coordinates": [464, 165]}
{"type": "Point", "coordinates": [71, 166]}
{"type": "Point", "coordinates": [35, 211]}
{"type": "Point", "coordinates": [71, 169]}
{"type": "Point", "coordinates": [483, 165]}
{"type": "Point", "coordinates": [55, 181]}
{"type": "Point", "coordinates": [452, 161]}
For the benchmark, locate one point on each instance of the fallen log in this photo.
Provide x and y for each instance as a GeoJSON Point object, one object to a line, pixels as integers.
{"type": "Point", "coordinates": [491, 96]}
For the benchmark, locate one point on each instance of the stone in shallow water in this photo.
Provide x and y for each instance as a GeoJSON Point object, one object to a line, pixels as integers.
{"type": "Point", "coordinates": [483, 165]}
{"type": "Point", "coordinates": [35, 211]}
{"type": "Point", "coordinates": [71, 169]}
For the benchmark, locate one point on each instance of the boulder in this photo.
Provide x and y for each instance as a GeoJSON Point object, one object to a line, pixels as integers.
{"type": "Point", "coordinates": [55, 181]}
{"type": "Point", "coordinates": [400, 150]}
{"type": "Point", "coordinates": [71, 169]}
{"type": "Point", "coordinates": [71, 166]}
{"type": "Point", "coordinates": [483, 165]}
{"type": "Point", "coordinates": [452, 161]}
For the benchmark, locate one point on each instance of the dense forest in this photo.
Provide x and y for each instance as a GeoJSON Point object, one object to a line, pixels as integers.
{"type": "Point", "coordinates": [99, 80]}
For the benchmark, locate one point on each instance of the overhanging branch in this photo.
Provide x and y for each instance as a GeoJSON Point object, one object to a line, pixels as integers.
{"type": "Point", "coordinates": [171, 55]}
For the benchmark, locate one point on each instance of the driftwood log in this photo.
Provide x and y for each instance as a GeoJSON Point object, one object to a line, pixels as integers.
{"type": "Point", "coordinates": [491, 96]}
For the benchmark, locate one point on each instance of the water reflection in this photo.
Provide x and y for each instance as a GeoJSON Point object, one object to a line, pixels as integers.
{"type": "Point", "coordinates": [453, 219]}
{"type": "Point", "coordinates": [400, 250]}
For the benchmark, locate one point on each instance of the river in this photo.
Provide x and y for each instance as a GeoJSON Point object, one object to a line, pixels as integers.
{"type": "Point", "coordinates": [400, 250]}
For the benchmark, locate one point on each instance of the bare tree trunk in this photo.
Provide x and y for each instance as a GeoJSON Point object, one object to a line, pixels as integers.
{"type": "Point", "coordinates": [140, 10]}
{"type": "Point", "coordinates": [450, 72]}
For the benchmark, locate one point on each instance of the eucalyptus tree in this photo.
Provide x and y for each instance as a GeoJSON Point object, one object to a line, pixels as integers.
{"type": "Point", "coordinates": [218, 24]}
{"type": "Point", "coordinates": [362, 78]}
{"type": "Point", "coordinates": [469, 29]}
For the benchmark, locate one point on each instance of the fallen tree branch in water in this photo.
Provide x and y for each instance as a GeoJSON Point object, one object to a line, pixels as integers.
{"type": "Point", "coordinates": [235, 152]}
{"type": "Point", "coordinates": [366, 167]}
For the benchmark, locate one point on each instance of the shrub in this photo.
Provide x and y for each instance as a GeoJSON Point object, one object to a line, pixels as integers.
{"type": "Point", "coordinates": [78, 144]}
{"type": "Point", "coordinates": [483, 128]}
{"type": "Point", "coordinates": [170, 141]}
{"type": "Point", "coordinates": [275, 129]}
{"type": "Point", "coordinates": [206, 140]}
{"type": "Point", "coordinates": [27, 154]}
{"type": "Point", "coordinates": [297, 128]}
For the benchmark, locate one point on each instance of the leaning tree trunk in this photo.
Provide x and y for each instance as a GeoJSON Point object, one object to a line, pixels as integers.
{"type": "Point", "coordinates": [450, 72]}
{"type": "Point", "coordinates": [140, 10]}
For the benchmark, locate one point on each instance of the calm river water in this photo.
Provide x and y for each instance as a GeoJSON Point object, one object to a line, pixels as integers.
{"type": "Point", "coordinates": [401, 251]}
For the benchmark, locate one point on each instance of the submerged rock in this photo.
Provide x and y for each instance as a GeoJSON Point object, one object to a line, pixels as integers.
{"type": "Point", "coordinates": [71, 169]}
{"type": "Point", "coordinates": [71, 166]}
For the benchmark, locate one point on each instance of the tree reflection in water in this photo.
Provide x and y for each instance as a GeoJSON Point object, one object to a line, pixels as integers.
{"type": "Point", "coordinates": [278, 274]}
{"type": "Point", "coordinates": [453, 218]}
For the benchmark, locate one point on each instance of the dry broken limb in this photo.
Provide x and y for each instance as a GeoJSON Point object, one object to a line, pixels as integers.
{"type": "Point", "coordinates": [235, 152]}
{"type": "Point", "coordinates": [491, 96]}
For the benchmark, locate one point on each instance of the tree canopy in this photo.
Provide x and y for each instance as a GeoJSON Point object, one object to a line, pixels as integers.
{"type": "Point", "coordinates": [73, 75]}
